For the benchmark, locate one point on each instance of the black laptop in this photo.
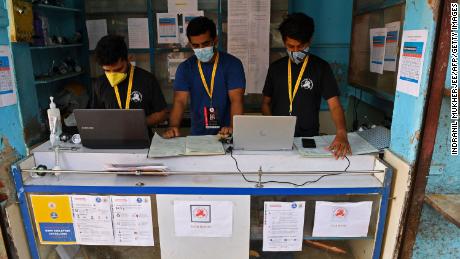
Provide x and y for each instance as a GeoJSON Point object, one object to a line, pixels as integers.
{"type": "Point", "coordinates": [110, 129]}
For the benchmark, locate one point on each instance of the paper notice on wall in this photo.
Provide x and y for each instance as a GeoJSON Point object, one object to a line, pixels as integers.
{"type": "Point", "coordinates": [248, 39]}
{"type": "Point", "coordinates": [173, 64]}
{"type": "Point", "coordinates": [283, 226]}
{"type": "Point", "coordinates": [132, 220]}
{"type": "Point", "coordinates": [391, 46]}
{"type": "Point", "coordinates": [96, 30]}
{"type": "Point", "coordinates": [138, 33]}
{"type": "Point", "coordinates": [92, 217]}
{"type": "Point", "coordinates": [182, 6]}
{"type": "Point", "coordinates": [342, 219]}
{"type": "Point", "coordinates": [7, 83]}
{"type": "Point", "coordinates": [167, 28]}
{"type": "Point", "coordinates": [203, 218]}
{"type": "Point", "coordinates": [377, 41]}
{"type": "Point", "coordinates": [411, 60]}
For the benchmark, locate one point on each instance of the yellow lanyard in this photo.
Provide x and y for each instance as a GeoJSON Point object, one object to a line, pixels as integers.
{"type": "Point", "coordinates": [203, 79]}
{"type": "Point", "coordinates": [299, 78]}
{"type": "Point", "coordinates": [128, 93]}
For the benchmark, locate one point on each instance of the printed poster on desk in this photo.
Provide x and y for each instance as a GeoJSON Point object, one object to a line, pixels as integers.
{"type": "Point", "coordinates": [53, 219]}
{"type": "Point", "coordinates": [342, 219]}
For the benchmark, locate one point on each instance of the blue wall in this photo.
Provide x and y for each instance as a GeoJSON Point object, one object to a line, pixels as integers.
{"type": "Point", "coordinates": [10, 122]}
{"type": "Point", "coordinates": [331, 40]}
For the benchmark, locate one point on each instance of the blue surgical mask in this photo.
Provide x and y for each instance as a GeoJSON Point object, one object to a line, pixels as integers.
{"type": "Point", "coordinates": [204, 54]}
{"type": "Point", "coordinates": [298, 56]}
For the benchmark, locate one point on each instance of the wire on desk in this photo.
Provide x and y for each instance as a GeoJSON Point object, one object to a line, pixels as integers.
{"type": "Point", "coordinates": [230, 150]}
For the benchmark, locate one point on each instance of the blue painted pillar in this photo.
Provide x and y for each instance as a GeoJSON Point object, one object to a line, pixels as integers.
{"type": "Point", "coordinates": [408, 110]}
{"type": "Point", "coordinates": [11, 129]}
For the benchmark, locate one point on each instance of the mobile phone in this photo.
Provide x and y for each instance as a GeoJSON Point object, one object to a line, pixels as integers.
{"type": "Point", "coordinates": [308, 143]}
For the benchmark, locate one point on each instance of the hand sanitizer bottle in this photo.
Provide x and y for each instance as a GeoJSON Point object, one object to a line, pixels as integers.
{"type": "Point", "coordinates": [54, 119]}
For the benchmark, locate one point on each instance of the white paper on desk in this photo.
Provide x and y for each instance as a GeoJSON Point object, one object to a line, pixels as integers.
{"type": "Point", "coordinates": [377, 41]}
{"type": "Point", "coordinates": [161, 147]}
{"type": "Point", "coordinates": [359, 146]}
{"type": "Point", "coordinates": [96, 30]}
{"type": "Point", "coordinates": [181, 6]}
{"type": "Point", "coordinates": [203, 145]}
{"type": "Point", "coordinates": [167, 28]}
{"type": "Point", "coordinates": [138, 33]}
{"type": "Point", "coordinates": [132, 220]}
{"type": "Point", "coordinates": [92, 219]}
{"type": "Point", "coordinates": [391, 46]}
{"type": "Point", "coordinates": [203, 218]}
{"type": "Point", "coordinates": [411, 60]}
{"type": "Point", "coordinates": [283, 226]}
{"type": "Point", "coordinates": [342, 219]}
{"type": "Point", "coordinates": [7, 84]}
{"type": "Point", "coordinates": [248, 39]}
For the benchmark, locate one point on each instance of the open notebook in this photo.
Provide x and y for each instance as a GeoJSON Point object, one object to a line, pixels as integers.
{"type": "Point", "coordinates": [359, 146]}
{"type": "Point", "coordinates": [186, 146]}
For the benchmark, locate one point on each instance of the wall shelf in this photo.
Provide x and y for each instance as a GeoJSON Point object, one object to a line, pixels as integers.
{"type": "Point", "coordinates": [57, 78]}
{"type": "Point", "coordinates": [57, 8]}
{"type": "Point", "coordinates": [59, 46]}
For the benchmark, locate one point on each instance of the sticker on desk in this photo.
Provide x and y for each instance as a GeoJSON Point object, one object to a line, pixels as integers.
{"type": "Point", "coordinates": [203, 218]}
{"type": "Point", "coordinates": [342, 219]}
{"type": "Point", "coordinates": [92, 218]}
{"type": "Point", "coordinates": [53, 219]}
{"type": "Point", "coordinates": [283, 226]}
{"type": "Point", "coordinates": [132, 220]}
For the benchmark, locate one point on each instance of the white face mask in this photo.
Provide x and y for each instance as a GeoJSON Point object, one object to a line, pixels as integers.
{"type": "Point", "coordinates": [298, 56]}
{"type": "Point", "coordinates": [204, 54]}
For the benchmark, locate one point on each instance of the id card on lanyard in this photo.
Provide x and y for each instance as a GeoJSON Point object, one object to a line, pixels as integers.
{"type": "Point", "coordinates": [210, 113]}
{"type": "Point", "coordinates": [128, 92]}
{"type": "Point", "coordinates": [296, 87]}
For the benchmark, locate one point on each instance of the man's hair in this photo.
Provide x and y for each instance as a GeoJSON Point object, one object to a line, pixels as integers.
{"type": "Point", "coordinates": [297, 26]}
{"type": "Point", "coordinates": [110, 49]}
{"type": "Point", "coordinates": [201, 25]}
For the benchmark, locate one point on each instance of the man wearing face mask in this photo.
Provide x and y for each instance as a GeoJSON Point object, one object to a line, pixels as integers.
{"type": "Point", "coordinates": [125, 86]}
{"type": "Point", "coordinates": [295, 85]}
{"type": "Point", "coordinates": [213, 80]}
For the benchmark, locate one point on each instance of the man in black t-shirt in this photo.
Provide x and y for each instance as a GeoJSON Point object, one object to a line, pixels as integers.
{"type": "Point", "coordinates": [296, 83]}
{"type": "Point", "coordinates": [125, 86]}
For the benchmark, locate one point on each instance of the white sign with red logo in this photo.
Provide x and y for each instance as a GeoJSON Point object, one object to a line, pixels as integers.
{"type": "Point", "coordinates": [203, 218]}
{"type": "Point", "coordinates": [342, 219]}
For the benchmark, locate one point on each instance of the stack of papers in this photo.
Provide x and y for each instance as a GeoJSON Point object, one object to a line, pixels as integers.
{"type": "Point", "coordinates": [186, 146]}
{"type": "Point", "coordinates": [359, 146]}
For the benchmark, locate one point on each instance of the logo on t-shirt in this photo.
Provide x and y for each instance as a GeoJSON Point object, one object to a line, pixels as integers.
{"type": "Point", "coordinates": [306, 84]}
{"type": "Point", "coordinates": [136, 97]}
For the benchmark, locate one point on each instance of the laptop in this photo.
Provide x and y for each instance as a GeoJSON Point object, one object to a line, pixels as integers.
{"type": "Point", "coordinates": [263, 132]}
{"type": "Point", "coordinates": [109, 129]}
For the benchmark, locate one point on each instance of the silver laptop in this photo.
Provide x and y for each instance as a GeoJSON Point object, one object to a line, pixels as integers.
{"type": "Point", "coordinates": [125, 129]}
{"type": "Point", "coordinates": [263, 132]}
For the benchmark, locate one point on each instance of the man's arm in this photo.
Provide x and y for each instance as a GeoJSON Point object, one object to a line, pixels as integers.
{"type": "Point", "coordinates": [340, 146]}
{"type": "Point", "coordinates": [266, 105]}
{"type": "Point", "coordinates": [177, 112]}
{"type": "Point", "coordinates": [156, 118]}
{"type": "Point", "coordinates": [236, 108]}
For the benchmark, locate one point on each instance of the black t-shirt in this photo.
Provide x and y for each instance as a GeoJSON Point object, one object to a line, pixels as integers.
{"type": "Point", "coordinates": [317, 81]}
{"type": "Point", "coordinates": [145, 94]}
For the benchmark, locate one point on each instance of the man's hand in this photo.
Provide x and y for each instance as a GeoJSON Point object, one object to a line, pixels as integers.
{"type": "Point", "coordinates": [171, 132]}
{"type": "Point", "coordinates": [225, 132]}
{"type": "Point", "coordinates": [340, 146]}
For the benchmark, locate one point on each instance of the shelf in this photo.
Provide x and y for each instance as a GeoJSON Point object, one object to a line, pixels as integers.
{"type": "Point", "coordinates": [448, 205]}
{"type": "Point", "coordinates": [57, 8]}
{"type": "Point", "coordinates": [57, 78]}
{"type": "Point", "coordinates": [56, 46]}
